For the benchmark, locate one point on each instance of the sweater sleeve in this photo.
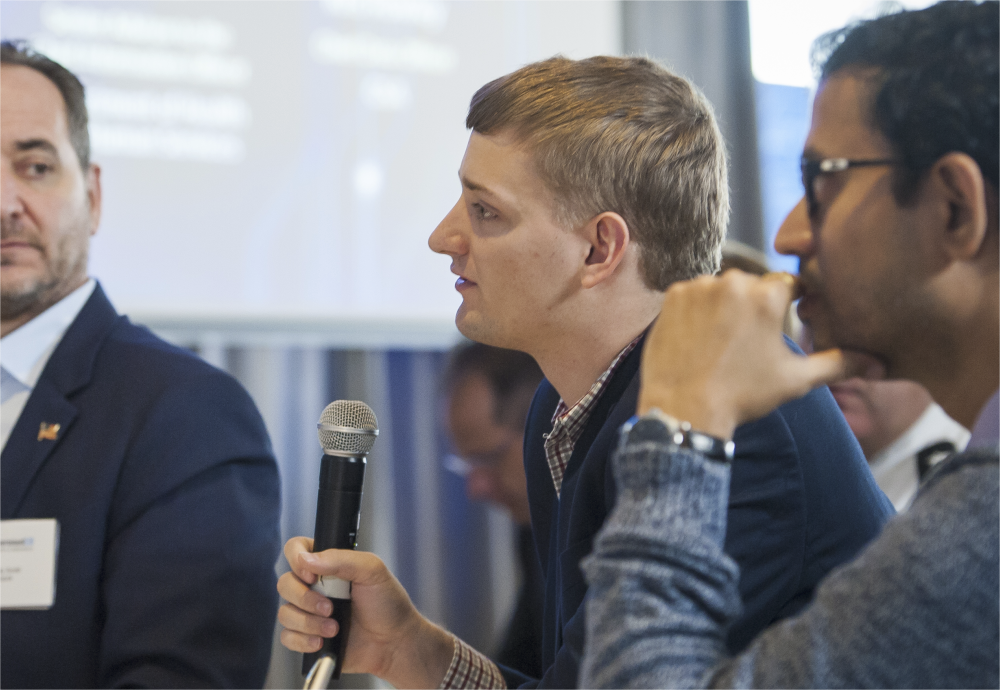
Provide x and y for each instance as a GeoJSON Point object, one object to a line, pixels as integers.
{"type": "Point", "coordinates": [918, 608]}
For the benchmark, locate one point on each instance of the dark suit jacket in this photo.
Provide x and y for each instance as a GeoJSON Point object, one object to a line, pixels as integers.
{"type": "Point", "coordinates": [802, 500]}
{"type": "Point", "coordinates": [521, 648]}
{"type": "Point", "coordinates": [167, 496]}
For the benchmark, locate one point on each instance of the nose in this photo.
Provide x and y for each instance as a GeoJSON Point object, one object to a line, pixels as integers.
{"type": "Point", "coordinates": [449, 237]}
{"type": "Point", "coordinates": [10, 198]}
{"type": "Point", "coordinates": [795, 237]}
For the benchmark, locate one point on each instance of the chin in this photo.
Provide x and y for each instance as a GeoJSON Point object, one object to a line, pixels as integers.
{"type": "Point", "coordinates": [19, 280]}
{"type": "Point", "coordinates": [821, 340]}
{"type": "Point", "coordinates": [27, 289]}
{"type": "Point", "coordinates": [832, 335]}
{"type": "Point", "coordinates": [475, 328]}
{"type": "Point", "coordinates": [465, 325]}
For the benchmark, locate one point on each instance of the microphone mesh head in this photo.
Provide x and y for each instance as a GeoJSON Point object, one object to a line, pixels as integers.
{"type": "Point", "coordinates": [360, 422]}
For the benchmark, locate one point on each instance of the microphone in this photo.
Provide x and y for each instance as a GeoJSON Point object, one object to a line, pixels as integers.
{"type": "Point", "coordinates": [347, 432]}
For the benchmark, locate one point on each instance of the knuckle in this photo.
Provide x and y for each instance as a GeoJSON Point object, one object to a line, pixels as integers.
{"type": "Point", "coordinates": [290, 549]}
{"type": "Point", "coordinates": [289, 587]}
{"type": "Point", "coordinates": [296, 641]}
{"type": "Point", "coordinates": [285, 614]}
{"type": "Point", "coordinates": [299, 622]}
{"type": "Point", "coordinates": [283, 590]}
{"type": "Point", "coordinates": [288, 639]}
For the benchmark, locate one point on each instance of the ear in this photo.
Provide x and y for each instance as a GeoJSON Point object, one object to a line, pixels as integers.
{"type": "Point", "coordinates": [94, 196]}
{"type": "Point", "coordinates": [959, 181]}
{"type": "Point", "coordinates": [609, 237]}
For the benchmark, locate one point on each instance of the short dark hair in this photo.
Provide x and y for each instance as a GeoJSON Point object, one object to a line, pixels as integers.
{"type": "Point", "coordinates": [512, 376]}
{"type": "Point", "coordinates": [621, 134]}
{"type": "Point", "coordinates": [933, 83]}
{"type": "Point", "coordinates": [20, 52]}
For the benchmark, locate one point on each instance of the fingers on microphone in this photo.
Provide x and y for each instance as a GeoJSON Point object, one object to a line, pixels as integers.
{"type": "Point", "coordinates": [294, 548]}
{"type": "Point", "coordinates": [309, 564]}
{"type": "Point", "coordinates": [305, 624]}
{"type": "Point", "coordinates": [296, 545]}
{"type": "Point", "coordinates": [323, 607]}
{"type": "Point", "coordinates": [297, 642]}
{"type": "Point", "coordinates": [359, 567]}
{"type": "Point", "coordinates": [295, 592]}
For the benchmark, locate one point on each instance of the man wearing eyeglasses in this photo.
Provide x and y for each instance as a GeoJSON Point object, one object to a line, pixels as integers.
{"type": "Point", "coordinates": [899, 249]}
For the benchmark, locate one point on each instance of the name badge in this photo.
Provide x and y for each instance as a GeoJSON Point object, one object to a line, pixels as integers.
{"type": "Point", "coordinates": [28, 550]}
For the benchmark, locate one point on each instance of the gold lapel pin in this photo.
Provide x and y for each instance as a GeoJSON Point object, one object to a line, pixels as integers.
{"type": "Point", "coordinates": [48, 432]}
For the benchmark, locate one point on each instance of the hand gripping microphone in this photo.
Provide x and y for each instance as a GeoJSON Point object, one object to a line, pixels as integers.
{"type": "Point", "coordinates": [347, 432]}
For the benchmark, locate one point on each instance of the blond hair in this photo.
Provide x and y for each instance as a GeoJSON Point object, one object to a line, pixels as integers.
{"type": "Point", "coordinates": [621, 134]}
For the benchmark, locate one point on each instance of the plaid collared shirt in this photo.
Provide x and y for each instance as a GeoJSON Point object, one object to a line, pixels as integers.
{"type": "Point", "coordinates": [568, 422]}
{"type": "Point", "coordinates": [469, 668]}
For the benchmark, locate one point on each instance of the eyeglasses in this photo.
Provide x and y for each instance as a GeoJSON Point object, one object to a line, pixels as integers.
{"type": "Point", "coordinates": [485, 459]}
{"type": "Point", "coordinates": [812, 169]}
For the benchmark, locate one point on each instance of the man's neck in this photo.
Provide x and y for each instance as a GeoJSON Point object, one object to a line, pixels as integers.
{"type": "Point", "coordinates": [573, 364]}
{"type": "Point", "coordinates": [8, 326]}
{"type": "Point", "coordinates": [965, 395]}
{"type": "Point", "coordinates": [972, 373]}
{"type": "Point", "coordinates": [45, 301]}
{"type": "Point", "coordinates": [964, 373]}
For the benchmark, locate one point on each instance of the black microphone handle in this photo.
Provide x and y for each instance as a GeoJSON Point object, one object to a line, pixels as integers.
{"type": "Point", "coordinates": [338, 514]}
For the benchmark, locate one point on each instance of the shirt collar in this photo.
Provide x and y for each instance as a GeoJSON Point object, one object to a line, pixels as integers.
{"type": "Point", "coordinates": [568, 423]}
{"type": "Point", "coordinates": [585, 403]}
{"type": "Point", "coordinates": [25, 351]}
{"type": "Point", "coordinates": [933, 425]}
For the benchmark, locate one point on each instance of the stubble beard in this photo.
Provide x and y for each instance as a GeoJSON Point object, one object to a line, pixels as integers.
{"type": "Point", "coordinates": [60, 276]}
{"type": "Point", "coordinates": [35, 296]}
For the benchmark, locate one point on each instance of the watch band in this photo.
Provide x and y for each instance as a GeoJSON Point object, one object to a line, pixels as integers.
{"type": "Point", "coordinates": [680, 435]}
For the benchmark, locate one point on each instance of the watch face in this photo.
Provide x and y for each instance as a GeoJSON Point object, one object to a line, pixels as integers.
{"type": "Point", "coordinates": [657, 426]}
{"type": "Point", "coordinates": [650, 429]}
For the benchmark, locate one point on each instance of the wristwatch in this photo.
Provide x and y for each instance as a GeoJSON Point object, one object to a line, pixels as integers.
{"type": "Point", "coordinates": [656, 425]}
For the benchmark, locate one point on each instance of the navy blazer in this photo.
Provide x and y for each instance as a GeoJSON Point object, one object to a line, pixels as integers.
{"type": "Point", "coordinates": [167, 496]}
{"type": "Point", "coordinates": [802, 500]}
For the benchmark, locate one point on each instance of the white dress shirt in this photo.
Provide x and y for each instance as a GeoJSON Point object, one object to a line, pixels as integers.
{"type": "Point", "coordinates": [895, 466]}
{"type": "Point", "coordinates": [25, 352]}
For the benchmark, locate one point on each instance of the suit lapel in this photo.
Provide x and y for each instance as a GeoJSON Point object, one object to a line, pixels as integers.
{"type": "Point", "coordinates": [35, 436]}
{"type": "Point", "coordinates": [32, 441]}
{"type": "Point", "coordinates": [607, 405]}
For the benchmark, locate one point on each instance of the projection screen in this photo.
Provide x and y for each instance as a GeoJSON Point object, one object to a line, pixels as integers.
{"type": "Point", "coordinates": [277, 167]}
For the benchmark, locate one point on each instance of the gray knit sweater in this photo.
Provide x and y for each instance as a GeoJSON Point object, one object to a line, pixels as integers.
{"type": "Point", "coordinates": [918, 608]}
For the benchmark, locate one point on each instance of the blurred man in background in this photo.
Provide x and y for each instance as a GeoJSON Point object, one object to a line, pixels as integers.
{"type": "Point", "coordinates": [902, 432]}
{"type": "Point", "coordinates": [489, 390]}
{"type": "Point", "coordinates": [153, 470]}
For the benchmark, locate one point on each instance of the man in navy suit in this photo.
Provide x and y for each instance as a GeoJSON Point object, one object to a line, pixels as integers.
{"type": "Point", "coordinates": [155, 467]}
{"type": "Point", "coordinates": [588, 187]}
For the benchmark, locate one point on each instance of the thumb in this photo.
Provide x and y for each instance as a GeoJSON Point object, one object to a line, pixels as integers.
{"type": "Point", "coordinates": [360, 567]}
{"type": "Point", "coordinates": [822, 368]}
{"type": "Point", "coordinates": [863, 366]}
